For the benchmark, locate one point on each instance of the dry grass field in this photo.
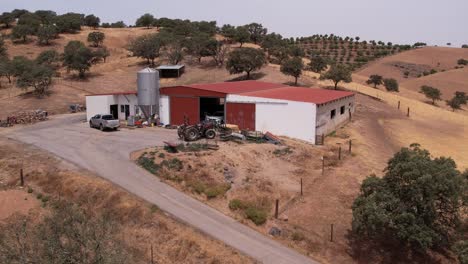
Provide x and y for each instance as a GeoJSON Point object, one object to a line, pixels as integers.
{"type": "Point", "coordinates": [142, 223]}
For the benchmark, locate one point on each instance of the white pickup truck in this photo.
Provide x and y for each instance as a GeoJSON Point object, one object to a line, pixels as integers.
{"type": "Point", "coordinates": [104, 122]}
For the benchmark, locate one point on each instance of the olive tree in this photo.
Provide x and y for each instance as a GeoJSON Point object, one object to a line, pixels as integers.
{"type": "Point", "coordinates": [241, 35]}
{"type": "Point", "coordinates": [78, 57]}
{"type": "Point", "coordinates": [431, 93]}
{"type": "Point", "coordinates": [245, 60]}
{"type": "Point", "coordinates": [92, 21]}
{"type": "Point", "coordinates": [391, 85]}
{"type": "Point", "coordinates": [337, 74]}
{"type": "Point", "coordinates": [293, 67]}
{"type": "Point", "coordinates": [147, 47]}
{"type": "Point", "coordinates": [21, 32]}
{"type": "Point", "coordinates": [317, 64]}
{"type": "Point", "coordinates": [46, 33]}
{"type": "Point", "coordinates": [96, 38]}
{"type": "Point", "coordinates": [145, 20]}
{"type": "Point", "coordinates": [416, 203]}
{"type": "Point", "coordinates": [375, 80]}
{"type": "Point", "coordinates": [38, 76]}
{"type": "Point", "coordinates": [256, 32]}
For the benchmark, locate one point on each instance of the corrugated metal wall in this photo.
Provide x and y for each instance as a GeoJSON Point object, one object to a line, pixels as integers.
{"type": "Point", "coordinates": [241, 114]}
{"type": "Point", "coordinates": [184, 106]}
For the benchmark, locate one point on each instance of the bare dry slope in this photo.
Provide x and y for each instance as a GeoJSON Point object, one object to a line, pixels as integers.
{"type": "Point", "coordinates": [415, 61]}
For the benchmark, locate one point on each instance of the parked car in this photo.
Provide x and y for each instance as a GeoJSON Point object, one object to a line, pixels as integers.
{"type": "Point", "coordinates": [217, 117]}
{"type": "Point", "coordinates": [104, 122]}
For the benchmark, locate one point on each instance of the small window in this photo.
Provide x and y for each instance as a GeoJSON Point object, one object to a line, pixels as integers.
{"type": "Point", "coordinates": [122, 108]}
{"type": "Point", "coordinates": [342, 109]}
{"type": "Point", "coordinates": [332, 113]}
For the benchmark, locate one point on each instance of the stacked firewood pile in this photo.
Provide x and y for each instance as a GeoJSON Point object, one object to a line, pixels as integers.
{"type": "Point", "coordinates": [25, 117]}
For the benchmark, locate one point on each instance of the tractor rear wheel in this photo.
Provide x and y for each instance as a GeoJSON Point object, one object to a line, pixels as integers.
{"type": "Point", "coordinates": [210, 134]}
{"type": "Point", "coordinates": [191, 134]}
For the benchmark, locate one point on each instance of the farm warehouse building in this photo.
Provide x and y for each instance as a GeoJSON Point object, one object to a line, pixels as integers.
{"type": "Point", "coordinates": [296, 112]}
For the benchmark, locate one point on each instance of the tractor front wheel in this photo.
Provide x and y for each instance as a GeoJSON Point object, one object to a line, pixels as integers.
{"type": "Point", "coordinates": [210, 134]}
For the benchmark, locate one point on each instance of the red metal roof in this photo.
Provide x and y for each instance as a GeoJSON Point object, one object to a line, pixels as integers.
{"type": "Point", "coordinates": [115, 93]}
{"type": "Point", "coordinates": [301, 94]}
{"type": "Point", "coordinates": [235, 87]}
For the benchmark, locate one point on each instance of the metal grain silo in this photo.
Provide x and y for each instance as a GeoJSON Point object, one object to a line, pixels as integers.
{"type": "Point", "coordinates": [148, 92]}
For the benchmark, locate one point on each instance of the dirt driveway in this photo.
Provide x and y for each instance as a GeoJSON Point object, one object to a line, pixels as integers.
{"type": "Point", "coordinates": [107, 154]}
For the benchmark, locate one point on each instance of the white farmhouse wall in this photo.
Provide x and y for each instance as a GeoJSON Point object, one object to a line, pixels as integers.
{"type": "Point", "coordinates": [325, 124]}
{"type": "Point", "coordinates": [281, 117]}
{"type": "Point", "coordinates": [164, 109]}
{"type": "Point", "coordinates": [98, 105]}
{"type": "Point", "coordinates": [130, 100]}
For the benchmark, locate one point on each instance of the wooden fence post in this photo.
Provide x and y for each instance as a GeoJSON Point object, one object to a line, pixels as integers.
{"type": "Point", "coordinates": [152, 258]}
{"type": "Point", "coordinates": [407, 114]}
{"type": "Point", "coordinates": [349, 150]}
{"type": "Point", "coordinates": [301, 186]}
{"type": "Point", "coordinates": [276, 208]}
{"type": "Point", "coordinates": [331, 233]}
{"type": "Point", "coordinates": [339, 153]}
{"type": "Point", "coordinates": [21, 177]}
{"type": "Point", "coordinates": [323, 165]}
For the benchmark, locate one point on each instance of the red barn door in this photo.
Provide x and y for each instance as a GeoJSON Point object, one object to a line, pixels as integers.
{"type": "Point", "coordinates": [184, 106]}
{"type": "Point", "coordinates": [241, 114]}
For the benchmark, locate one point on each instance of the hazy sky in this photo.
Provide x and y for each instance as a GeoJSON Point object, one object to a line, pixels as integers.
{"type": "Point", "coordinates": [399, 21]}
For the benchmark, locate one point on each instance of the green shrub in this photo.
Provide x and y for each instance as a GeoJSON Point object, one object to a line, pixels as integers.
{"type": "Point", "coordinates": [173, 164]}
{"type": "Point", "coordinates": [162, 155]}
{"type": "Point", "coordinates": [30, 190]}
{"type": "Point", "coordinates": [236, 204]}
{"type": "Point", "coordinates": [282, 151]}
{"type": "Point", "coordinates": [148, 164]}
{"type": "Point", "coordinates": [154, 208]}
{"type": "Point", "coordinates": [198, 186]}
{"type": "Point", "coordinates": [39, 196]}
{"type": "Point", "coordinates": [297, 236]}
{"type": "Point", "coordinates": [217, 190]}
{"type": "Point", "coordinates": [258, 216]}
{"type": "Point", "coordinates": [45, 199]}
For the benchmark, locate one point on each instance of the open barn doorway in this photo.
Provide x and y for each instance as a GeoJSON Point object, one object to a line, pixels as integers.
{"type": "Point", "coordinates": [212, 108]}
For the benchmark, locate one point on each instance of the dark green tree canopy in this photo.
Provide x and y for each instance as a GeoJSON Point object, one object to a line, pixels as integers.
{"type": "Point", "coordinates": [454, 103]}
{"type": "Point", "coordinates": [375, 80]}
{"type": "Point", "coordinates": [3, 48]}
{"type": "Point", "coordinates": [21, 32]}
{"type": "Point", "coordinates": [242, 35]}
{"type": "Point", "coordinates": [46, 33]}
{"type": "Point", "coordinates": [431, 93]}
{"type": "Point", "coordinates": [6, 69]}
{"type": "Point", "coordinates": [293, 67]}
{"type": "Point", "coordinates": [39, 77]}
{"type": "Point", "coordinates": [7, 19]}
{"type": "Point", "coordinates": [256, 32]}
{"type": "Point", "coordinates": [46, 17]}
{"type": "Point", "coordinates": [416, 203]}
{"type": "Point", "coordinates": [92, 21]}
{"type": "Point", "coordinates": [317, 64]}
{"type": "Point", "coordinates": [31, 20]}
{"type": "Point", "coordinates": [228, 31]}
{"type": "Point", "coordinates": [391, 85]}
{"type": "Point", "coordinates": [462, 97]}
{"type": "Point", "coordinates": [245, 60]}
{"type": "Point", "coordinates": [69, 22]}
{"type": "Point", "coordinates": [147, 47]}
{"type": "Point", "coordinates": [49, 58]}
{"type": "Point", "coordinates": [145, 20]}
{"type": "Point", "coordinates": [337, 73]}
{"type": "Point", "coordinates": [96, 38]}
{"type": "Point", "coordinates": [78, 57]}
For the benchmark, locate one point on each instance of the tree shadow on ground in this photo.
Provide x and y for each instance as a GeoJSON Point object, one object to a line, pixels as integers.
{"type": "Point", "coordinates": [387, 251]}
{"type": "Point", "coordinates": [74, 77]}
{"type": "Point", "coordinates": [253, 76]}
